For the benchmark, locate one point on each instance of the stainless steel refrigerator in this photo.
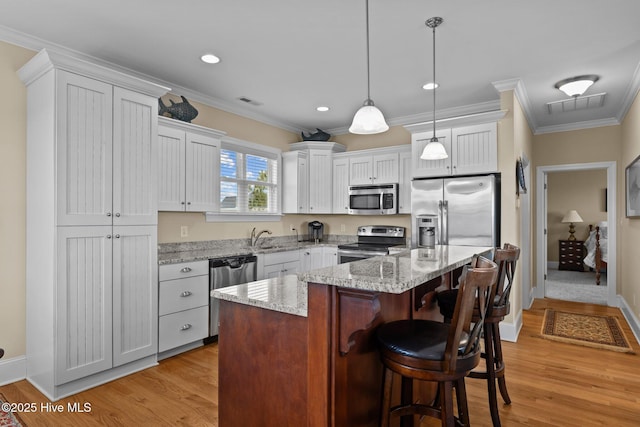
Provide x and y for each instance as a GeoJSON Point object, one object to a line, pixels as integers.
{"type": "Point", "coordinates": [465, 209]}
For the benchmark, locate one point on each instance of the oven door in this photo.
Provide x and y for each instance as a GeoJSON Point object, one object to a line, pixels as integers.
{"type": "Point", "coordinates": [351, 255]}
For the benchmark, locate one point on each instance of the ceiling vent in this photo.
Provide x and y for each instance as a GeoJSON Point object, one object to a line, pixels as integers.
{"type": "Point", "coordinates": [250, 101]}
{"type": "Point", "coordinates": [576, 103]}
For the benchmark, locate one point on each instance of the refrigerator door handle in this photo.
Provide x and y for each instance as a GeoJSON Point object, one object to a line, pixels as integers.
{"type": "Point", "coordinates": [440, 236]}
{"type": "Point", "coordinates": [445, 222]}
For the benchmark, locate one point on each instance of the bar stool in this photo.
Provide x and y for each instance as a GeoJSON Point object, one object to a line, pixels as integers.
{"type": "Point", "coordinates": [506, 258]}
{"type": "Point", "coordinates": [434, 351]}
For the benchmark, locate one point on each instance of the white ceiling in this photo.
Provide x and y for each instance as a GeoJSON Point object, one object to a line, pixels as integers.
{"type": "Point", "coordinates": [293, 55]}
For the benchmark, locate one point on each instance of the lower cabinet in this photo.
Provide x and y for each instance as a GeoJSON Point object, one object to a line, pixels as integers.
{"type": "Point", "coordinates": [280, 264]}
{"type": "Point", "coordinates": [318, 257]}
{"type": "Point", "coordinates": [183, 306]}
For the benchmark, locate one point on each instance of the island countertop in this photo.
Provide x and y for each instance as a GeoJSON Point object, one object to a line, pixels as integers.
{"type": "Point", "coordinates": [393, 274]}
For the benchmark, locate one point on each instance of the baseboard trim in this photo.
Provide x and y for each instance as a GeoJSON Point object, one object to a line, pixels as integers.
{"type": "Point", "coordinates": [631, 318]}
{"type": "Point", "coordinates": [510, 331]}
{"type": "Point", "coordinates": [12, 370]}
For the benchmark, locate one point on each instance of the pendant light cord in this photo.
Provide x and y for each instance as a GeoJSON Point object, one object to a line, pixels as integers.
{"type": "Point", "coordinates": [434, 83]}
{"type": "Point", "coordinates": [368, 75]}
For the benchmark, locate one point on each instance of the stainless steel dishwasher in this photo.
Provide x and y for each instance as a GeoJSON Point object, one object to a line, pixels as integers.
{"type": "Point", "coordinates": [225, 272]}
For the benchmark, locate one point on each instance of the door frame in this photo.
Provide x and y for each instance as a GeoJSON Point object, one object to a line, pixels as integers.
{"type": "Point", "coordinates": [541, 223]}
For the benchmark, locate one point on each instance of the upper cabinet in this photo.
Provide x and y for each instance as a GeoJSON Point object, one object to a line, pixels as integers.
{"type": "Point", "coordinates": [340, 175]}
{"type": "Point", "coordinates": [318, 176]}
{"type": "Point", "coordinates": [471, 142]}
{"type": "Point", "coordinates": [471, 149]}
{"type": "Point", "coordinates": [379, 168]}
{"type": "Point", "coordinates": [189, 167]}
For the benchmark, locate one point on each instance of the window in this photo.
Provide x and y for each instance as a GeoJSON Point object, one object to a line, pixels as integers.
{"type": "Point", "coordinates": [248, 180]}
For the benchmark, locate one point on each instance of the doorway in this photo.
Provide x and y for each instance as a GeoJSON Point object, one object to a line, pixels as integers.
{"type": "Point", "coordinates": [542, 173]}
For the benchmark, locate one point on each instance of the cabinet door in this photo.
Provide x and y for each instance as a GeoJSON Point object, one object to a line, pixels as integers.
{"type": "Point", "coordinates": [171, 169]}
{"type": "Point", "coordinates": [203, 173]}
{"type": "Point", "coordinates": [320, 182]}
{"type": "Point", "coordinates": [475, 149]}
{"type": "Point", "coordinates": [361, 170]}
{"type": "Point", "coordinates": [404, 187]}
{"type": "Point", "coordinates": [329, 256]}
{"type": "Point", "coordinates": [84, 151]}
{"type": "Point", "coordinates": [385, 168]}
{"type": "Point", "coordinates": [340, 203]}
{"type": "Point", "coordinates": [135, 293]}
{"type": "Point", "coordinates": [135, 161]}
{"type": "Point", "coordinates": [311, 258]}
{"type": "Point", "coordinates": [273, 270]}
{"type": "Point", "coordinates": [429, 168]}
{"type": "Point", "coordinates": [84, 302]}
{"type": "Point", "coordinates": [295, 186]}
{"type": "Point", "coordinates": [291, 267]}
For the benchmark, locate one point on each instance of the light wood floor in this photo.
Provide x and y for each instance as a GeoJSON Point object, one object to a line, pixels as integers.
{"type": "Point", "coordinates": [550, 383]}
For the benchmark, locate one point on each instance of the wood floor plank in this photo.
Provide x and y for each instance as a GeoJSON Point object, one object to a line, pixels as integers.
{"type": "Point", "coordinates": [550, 383]}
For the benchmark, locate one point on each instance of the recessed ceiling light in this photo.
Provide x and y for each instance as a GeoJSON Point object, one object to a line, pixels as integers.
{"type": "Point", "coordinates": [430, 86]}
{"type": "Point", "coordinates": [322, 108]}
{"type": "Point", "coordinates": [210, 58]}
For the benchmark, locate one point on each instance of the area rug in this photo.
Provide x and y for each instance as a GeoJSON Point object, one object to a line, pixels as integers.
{"type": "Point", "coordinates": [585, 329]}
{"type": "Point", "coordinates": [7, 417]}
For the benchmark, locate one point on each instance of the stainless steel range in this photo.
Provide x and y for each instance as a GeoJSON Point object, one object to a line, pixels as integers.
{"type": "Point", "coordinates": [373, 240]}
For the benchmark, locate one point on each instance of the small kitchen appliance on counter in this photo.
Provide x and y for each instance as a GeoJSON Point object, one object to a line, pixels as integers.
{"type": "Point", "coordinates": [316, 231]}
{"type": "Point", "coordinates": [373, 240]}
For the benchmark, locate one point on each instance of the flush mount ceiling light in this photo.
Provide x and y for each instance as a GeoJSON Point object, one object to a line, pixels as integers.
{"type": "Point", "coordinates": [210, 58]}
{"type": "Point", "coordinates": [434, 150]}
{"type": "Point", "coordinates": [576, 86]}
{"type": "Point", "coordinates": [368, 119]}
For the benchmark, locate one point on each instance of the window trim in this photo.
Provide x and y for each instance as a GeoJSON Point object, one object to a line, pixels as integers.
{"type": "Point", "coordinates": [252, 148]}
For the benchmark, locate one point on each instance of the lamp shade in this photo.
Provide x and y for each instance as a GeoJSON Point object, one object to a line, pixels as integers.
{"type": "Point", "coordinates": [576, 86]}
{"type": "Point", "coordinates": [368, 120]}
{"type": "Point", "coordinates": [572, 216]}
{"type": "Point", "coordinates": [434, 150]}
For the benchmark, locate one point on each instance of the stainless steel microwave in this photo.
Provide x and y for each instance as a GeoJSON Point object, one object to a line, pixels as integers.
{"type": "Point", "coordinates": [373, 199]}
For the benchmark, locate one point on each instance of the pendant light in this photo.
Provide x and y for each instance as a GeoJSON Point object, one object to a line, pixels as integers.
{"type": "Point", "coordinates": [368, 119]}
{"type": "Point", "coordinates": [434, 150]}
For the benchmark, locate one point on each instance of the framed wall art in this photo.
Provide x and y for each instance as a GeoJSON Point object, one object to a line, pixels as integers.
{"type": "Point", "coordinates": [632, 189]}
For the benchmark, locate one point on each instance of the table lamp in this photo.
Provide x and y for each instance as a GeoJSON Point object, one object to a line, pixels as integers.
{"type": "Point", "coordinates": [571, 217]}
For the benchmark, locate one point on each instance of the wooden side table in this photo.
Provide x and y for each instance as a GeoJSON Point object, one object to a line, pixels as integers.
{"type": "Point", "coordinates": [571, 255]}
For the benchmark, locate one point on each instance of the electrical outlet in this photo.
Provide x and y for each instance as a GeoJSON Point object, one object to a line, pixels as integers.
{"type": "Point", "coordinates": [184, 231]}
{"type": "Point", "coordinates": [343, 228]}
{"type": "Point", "coordinates": [291, 227]}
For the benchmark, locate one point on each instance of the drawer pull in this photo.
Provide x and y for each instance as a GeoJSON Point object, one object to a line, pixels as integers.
{"type": "Point", "coordinates": [185, 270]}
{"type": "Point", "coordinates": [186, 294]}
{"type": "Point", "coordinates": [185, 327]}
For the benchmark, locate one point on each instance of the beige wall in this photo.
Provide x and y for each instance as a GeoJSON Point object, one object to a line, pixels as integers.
{"type": "Point", "coordinates": [629, 231]}
{"type": "Point", "coordinates": [13, 199]}
{"type": "Point", "coordinates": [583, 191]}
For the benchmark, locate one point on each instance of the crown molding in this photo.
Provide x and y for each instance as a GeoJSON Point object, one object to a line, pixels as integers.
{"type": "Point", "coordinates": [452, 122]}
{"type": "Point", "coordinates": [518, 88]}
{"type": "Point", "coordinates": [590, 124]}
{"type": "Point", "coordinates": [630, 94]}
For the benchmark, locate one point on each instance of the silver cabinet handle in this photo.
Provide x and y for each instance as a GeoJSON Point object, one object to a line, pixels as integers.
{"type": "Point", "coordinates": [186, 294]}
{"type": "Point", "coordinates": [188, 203]}
{"type": "Point", "coordinates": [117, 236]}
{"type": "Point", "coordinates": [108, 213]}
{"type": "Point", "coordinates": [182, 203]}
{"type": "Point", "coordinates": [118, 214]}
{"type": "Point", "coordinates": [185, 327]}
{"type": "Point", "coordinates": [185, 270]}
{"type": "Point", "coordinates": [108, 236]}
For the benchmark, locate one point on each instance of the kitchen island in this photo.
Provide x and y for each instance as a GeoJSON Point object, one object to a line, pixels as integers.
{"type": "Point", "coordinates": [301, 350]}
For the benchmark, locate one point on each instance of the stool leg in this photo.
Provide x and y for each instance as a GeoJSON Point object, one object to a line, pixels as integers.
{"type": "Point", "coordinates": [461, 397]}
{"type": "Point", "coordinates": [386, 397]}
{"type": "Point", "coordinates": [499, 361]}
{"type": "Point", "coordinates": [446, 408]}
{"type": "Point", "coordinates": [489, 339]}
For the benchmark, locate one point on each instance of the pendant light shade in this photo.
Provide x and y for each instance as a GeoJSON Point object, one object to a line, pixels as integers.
{"type": "Point", "coordinates": [368, 119]}
{"type": "Point", "coordinates": [434, 150]}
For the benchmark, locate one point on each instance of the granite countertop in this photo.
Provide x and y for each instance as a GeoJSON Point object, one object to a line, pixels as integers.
{"type": "Point", "coordinates": [200, 254]}
{"type": "Point", "coordinates": [396, 274]}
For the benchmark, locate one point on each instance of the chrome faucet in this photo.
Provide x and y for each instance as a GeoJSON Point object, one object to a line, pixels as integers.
{"type": "Point", "coordinates": [254, 238]}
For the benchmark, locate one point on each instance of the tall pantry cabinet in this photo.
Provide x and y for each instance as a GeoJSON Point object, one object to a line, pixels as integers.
{"type": "Point", "coordinates": [92, 302]}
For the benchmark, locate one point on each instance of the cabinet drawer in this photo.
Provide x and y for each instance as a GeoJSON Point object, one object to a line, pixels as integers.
{"type": "Point", "coordinates": [281, 257]}
{"type": "Point", "coordinates": [183, 269]}
{"type": "Point", "coordinates": [183, 294]}
{"type": "Point", "coordinates": [183, 328]}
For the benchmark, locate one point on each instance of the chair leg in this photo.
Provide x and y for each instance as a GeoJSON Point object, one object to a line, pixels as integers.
{"type": "Point", "coordinates": [446, 408]}
{"type": "Point", "coordinates": [461, 397]}
{"type": "Point", "coordinates": [489, 349]}
{"type": "Point", "coordinates": [386, 397]}
{"type": "Point", "coordinates": [499, 361]}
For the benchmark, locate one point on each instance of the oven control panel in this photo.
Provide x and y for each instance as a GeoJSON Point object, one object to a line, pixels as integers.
{"type": "Point", "coordinates": [381, 231]}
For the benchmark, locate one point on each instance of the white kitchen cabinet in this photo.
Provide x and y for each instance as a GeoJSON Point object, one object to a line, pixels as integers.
{"type": "Point", "coordinates": [329, 256]}
{"type": "Point", "coordinates": [318, 185]}
{"type": "Point", "coordinates": [92, 220]}
{"type": "Point", "coordinates": [183, 306]}
{"type": "Point", "coordinates": [295, 185]}
{"type": "Point", "coordinates": [472, 149]}
{"type": "Point", "coordinates": [189, 167]}
{"type": "Point", "coordinates": [340, 193]}
{"type": "Point", "coordinates": [378, 168]}
{"type": "Point", "coordinates": [314, 257]}
{"type": "Point", "coordinates": [404, 187]}
{"type": "Point", "coordinates": [280, 264]}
